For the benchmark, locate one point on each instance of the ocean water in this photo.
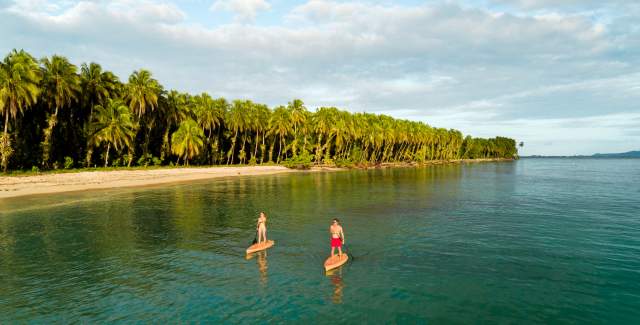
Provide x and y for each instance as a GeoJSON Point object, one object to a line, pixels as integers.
{"type": "Point", "coordinates": [532, 241]}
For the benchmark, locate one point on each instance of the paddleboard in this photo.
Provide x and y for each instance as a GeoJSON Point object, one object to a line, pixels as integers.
{"type": "Point", "coordinates": [335, 261]}
{"type": "Point", "coordinates": [260, 247]}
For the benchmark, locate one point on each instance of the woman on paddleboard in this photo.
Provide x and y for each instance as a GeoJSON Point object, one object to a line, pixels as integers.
{"type": "Point", "coordinates": [337, 237]}
{"type": "Point", "coordinates": [261, 228]}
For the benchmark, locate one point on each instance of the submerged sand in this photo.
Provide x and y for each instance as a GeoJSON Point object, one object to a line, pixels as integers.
{"type": "Point", "coordinates": [14, 186]}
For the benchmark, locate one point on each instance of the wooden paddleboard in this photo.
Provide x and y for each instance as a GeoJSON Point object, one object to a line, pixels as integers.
{"type": "Point", "coordinates": [260, 247]}
{"type": "Point", "coordinates": [332, 263]}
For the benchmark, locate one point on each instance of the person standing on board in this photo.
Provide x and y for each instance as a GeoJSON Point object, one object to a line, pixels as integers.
{"type": "Point", "coordinates": [261, 227]}
{"type": "Point", "coordinates": [337, 237]}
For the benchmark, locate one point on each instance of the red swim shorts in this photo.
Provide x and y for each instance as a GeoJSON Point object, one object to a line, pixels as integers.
{"type": "Point", "coordinates": [336, 242]}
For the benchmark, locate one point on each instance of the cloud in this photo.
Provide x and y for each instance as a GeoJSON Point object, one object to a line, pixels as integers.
{"type": "Point", "coordinates": [80, 13]}
{"type": "Point", "coordinates": [562, 4]}
{"type": "Point", "coordinates": [481, 70]}
{"type": "Point", "coordinates": [245, 10]}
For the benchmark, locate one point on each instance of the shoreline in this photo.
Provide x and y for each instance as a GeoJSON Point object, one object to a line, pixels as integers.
{"type": "Point", "coordinates": [52, 183]}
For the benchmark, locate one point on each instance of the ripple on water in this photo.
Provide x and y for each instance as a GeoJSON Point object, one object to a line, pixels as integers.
{"type": "Point", "coordinates": [536, 241]}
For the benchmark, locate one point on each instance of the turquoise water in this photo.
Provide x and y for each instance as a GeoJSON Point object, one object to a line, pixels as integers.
{"type": "Point", "coordinates": [533, 241]}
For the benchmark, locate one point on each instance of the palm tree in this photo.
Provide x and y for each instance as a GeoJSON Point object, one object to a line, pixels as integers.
{"type": "Point", "coordinates": [261, 115]}
{"type": "Point", "coordinates": [208, 117]}
{"type": "Point", "coordinates": [142, 93]}
{"type": "Point", "coordinates": [174, 111]}
{"type": "Point", "coordinates": [97, 85]}
{"type": "Point", "coordinates": [280, 125]}
{"type": "Point", "coordinates": [113, 124]}
{"type": "Point", "coordinates": [298, 115]}
{"type": "Point", "coordinates": [237, 121]}
{"type": "Point", "coordinates": [324, 120]}
{"type": "Point", "coordinates": [19, 79]}
{"type": "Point", "coordinates": [61, 86]}
{"type": "Point", "coordinates": [187, 141]}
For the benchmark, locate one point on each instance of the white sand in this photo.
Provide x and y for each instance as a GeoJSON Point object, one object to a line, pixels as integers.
{"type": "Point", "coordinates": [13, 186]}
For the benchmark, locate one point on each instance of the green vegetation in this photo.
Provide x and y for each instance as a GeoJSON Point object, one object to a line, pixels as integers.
{"type": "Point", "coordinates": [55, 117]}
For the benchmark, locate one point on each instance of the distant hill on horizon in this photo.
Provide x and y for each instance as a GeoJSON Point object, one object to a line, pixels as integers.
{"type": "Point", "coordinates": [628, 154]}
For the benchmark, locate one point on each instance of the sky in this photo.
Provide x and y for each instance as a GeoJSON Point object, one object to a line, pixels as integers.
{"type": "Point", "coordinates": [562, 76]}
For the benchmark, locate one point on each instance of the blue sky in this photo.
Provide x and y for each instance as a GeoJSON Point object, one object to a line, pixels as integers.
{"type": "Point", "coordinates": [560, 75]}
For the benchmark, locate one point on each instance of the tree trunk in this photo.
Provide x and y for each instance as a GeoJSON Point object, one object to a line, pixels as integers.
{"type": "Point", "coordinates": [271, 147]}
{"type": "Point", "coordinates": [233, 147]}
{"type": "Point", "coordinates": [255, 151]}
{"type": "Point", "coordinates": [243, 155]}
{"type": "Point", "coordinates": [131, 151]}
{"type": "Point", "coordinates": [279, 150]}
{"type": "Point", "coordinates": [48, 134]}
{"type": "Point", "coordinates": [89, 154]}
{"type": "Point", "coordinates": [318, 152]}
{"type": "Point", "coordinates": [106, 158]}
{"type": "Point", "coordinates": [4, 138]}
{"type": "Point", "coordinates": [6, 122]}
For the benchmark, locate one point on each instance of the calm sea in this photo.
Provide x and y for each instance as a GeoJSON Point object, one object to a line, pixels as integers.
{"type": "Point", "coordinates": [532, 241]}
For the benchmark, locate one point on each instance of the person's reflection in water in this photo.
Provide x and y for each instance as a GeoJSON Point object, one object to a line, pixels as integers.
{"type": "Point", "coordinates": [338, 286]}
{"type": "Point", "coordinates": [262, 266]}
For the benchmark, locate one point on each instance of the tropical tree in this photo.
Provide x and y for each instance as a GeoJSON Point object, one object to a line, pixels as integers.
{"type": "Point", "coordinates": [97, 85]}
{"type": "Point", "coordinates": [298, 115]}
{"type": "Point", "coordinates": [113, 124]}
{"type": "Point", "coordinates": [61, 87]}
{"type": "Point", "coordinates": [237, 120]}
{"type": "Point", "coordinates": [175, 110]}
{"type": "Point", "coordinates": [142, 94]}
{"type": "Point", "coordinates": [19, 90]}
{"type": "Point", "coordinates": [187, 141]}
{"type": "Point", "coordinates": [280, 125]}
{"type": "Point", "coordinates": [260, 120]}
{"type": "Point", "coordinates": [324, 121]}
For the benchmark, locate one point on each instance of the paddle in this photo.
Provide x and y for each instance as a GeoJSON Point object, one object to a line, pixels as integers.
{"type": "Point", "coordinates": [348, 252]}
{"type": "Point", "coordinates": [255, 239]}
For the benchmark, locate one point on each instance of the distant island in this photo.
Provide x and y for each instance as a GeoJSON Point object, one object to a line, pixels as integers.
{"type": "Point", "coordinates": [628, 154]}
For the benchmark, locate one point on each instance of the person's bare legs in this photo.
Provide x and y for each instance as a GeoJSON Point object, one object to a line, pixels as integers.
{"type": "Point", "coordinates": [333, 250]}
{"type": "Point", "coordinates": [339, 251]}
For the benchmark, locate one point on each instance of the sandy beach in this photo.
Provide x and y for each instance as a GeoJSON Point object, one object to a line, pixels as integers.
{"type": "Point", "coordinates": [14, 186]}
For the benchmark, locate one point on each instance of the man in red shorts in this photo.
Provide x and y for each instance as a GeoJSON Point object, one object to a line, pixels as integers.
{"type": "Point", "coordinates": [337, 237]}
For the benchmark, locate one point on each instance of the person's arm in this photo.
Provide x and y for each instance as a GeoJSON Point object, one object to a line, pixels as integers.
{"type": "Point", "coordinates": [342, 233]}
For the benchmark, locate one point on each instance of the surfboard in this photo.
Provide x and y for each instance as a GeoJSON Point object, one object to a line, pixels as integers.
{"type": "Point", "coordinates": [260, 247]}
{"type": "Point", "coordinates": [335, 261]}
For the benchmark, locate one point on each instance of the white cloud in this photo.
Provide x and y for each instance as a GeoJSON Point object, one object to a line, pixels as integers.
{"type": "Point", "coordinates": [70, 13]}
{"type": "Point", "coordinates": [245, 10]}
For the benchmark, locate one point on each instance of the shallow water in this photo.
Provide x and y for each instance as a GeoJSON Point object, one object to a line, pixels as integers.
{"type": "Point", "coordinates": [533, 241]}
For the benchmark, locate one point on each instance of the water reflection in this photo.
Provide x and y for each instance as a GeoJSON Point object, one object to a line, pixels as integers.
{"type": "Point", "coordinates": [261, 259]}
{"type": "Point", "coordinates": [338, 285]}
